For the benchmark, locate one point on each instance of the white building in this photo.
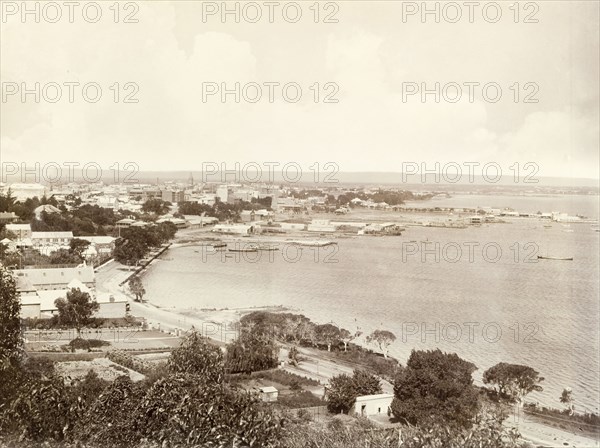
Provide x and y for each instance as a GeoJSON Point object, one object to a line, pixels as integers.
{"type": "Point", "coordinates": [50, 241]}
{"type": "Point", "coordinates": [223, 193]}
{"type": "Point", "coordinates": [54, 278]}
{"type": "Point", "coordinates": [268, 394]}
{"type": "Point", "coordinates": [103, 245]}
{"type": "Point", "coordinates": [321, 225]}
{"type": "Point", "coordinates": [46, 208]}
{"type": "Point", "coordinates": [235, 229]}
{"type": "Point", "coordinates": [367, 405]}
{"type": "Point", "coordinates": [21, 231]}
{"type": "Point", "coordinates": [108, 202]}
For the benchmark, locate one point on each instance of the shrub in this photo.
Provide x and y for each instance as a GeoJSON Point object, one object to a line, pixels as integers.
{"type": "Point", "coordinates": [131, 362]}
{"type": "Point", "coordinates": [87, 344]}
{"type": "Point", "coordinates": [304, 399]}
{"type": "Point", "coordinates": [285, 378]}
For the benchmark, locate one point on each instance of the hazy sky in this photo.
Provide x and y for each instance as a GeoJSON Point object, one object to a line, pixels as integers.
{"type": "Point", "coordinates": [371, 54]}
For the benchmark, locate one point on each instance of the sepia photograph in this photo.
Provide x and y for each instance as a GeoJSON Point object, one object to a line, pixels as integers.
{"type": "Point", "coordinates": [299, 224]}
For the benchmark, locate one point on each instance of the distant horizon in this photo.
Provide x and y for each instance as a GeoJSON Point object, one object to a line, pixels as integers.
{"type": "Point", "coordinates": [341, 178]}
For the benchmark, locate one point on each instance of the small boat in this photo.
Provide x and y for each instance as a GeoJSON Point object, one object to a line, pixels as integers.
{"type": "Point", "coordinates": [268, 248]}
{"type": "Point", "coordinates": [541, 257]}
{"type": "Point", "coordinates": [219, 245]}
{"type": "Point", "coordinates": [316, 243]}
{"type": "Point", "coordinates": [250, 248]}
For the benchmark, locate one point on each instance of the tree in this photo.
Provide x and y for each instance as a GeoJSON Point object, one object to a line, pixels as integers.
{"type": "Point", "coordinates": [346, 337]}
{"type": "Point", "coordinates": [64, 256]}
{"type": "Point", "coordinates": [76, 309]}
{"type": "Point", "coordinates": [343, 390]}
{"type": "Point", "coordinates": [327, 334]}
{"type": "Point", "coordinates": [513, 381]}
{"type": "Point", "coordinates": [130, 249]}
{"type": "Point", "coordinates": [78, 247]}
{"type": "Point", "coordinates": [382, 339]}
{"type": "Point", "coordinates": [252, 351]}
{"type": "Point", "coordinates": [435, 387]}
{"type": "Point", "coordinates": [196, 355]}
{"type": "Point", "coordinates": [293, 356]}
{"type": "Point", "coordinates": [11, 342]}
{"type": "Point", "coordinates": [157, 206]}
{"type": "Point", "coordinates": [137, 288]}
{"type": "Point", "coordinates": [7, 201]}
{"type": "Point", "coordinates": [566, 398]}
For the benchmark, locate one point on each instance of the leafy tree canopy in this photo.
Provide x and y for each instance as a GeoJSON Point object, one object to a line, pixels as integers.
{"type": "Point", "coordinates": [435, 387]}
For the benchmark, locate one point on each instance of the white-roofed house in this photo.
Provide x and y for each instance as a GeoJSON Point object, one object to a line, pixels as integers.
{"type": "Point", "coordinates": [367, 405]}
{"type": "Point", "coordinates": [235, 229]}
{"type": "Point", "coordinates": [21, 231]}
{"type": "Point", "coordinates": [48, 242]}
{"type": "Point", "coordinates": [45, 279]}
{"type": "Point", "coordinates": [104, 245]}
{"type": "Point", "coordinates": [268, 393]}
{"type": "Point", "coordinates": [43, 305]}
{"type": "Point", "coordinates": [112, 305]}
{"type": "Point", "coordinates": [46, 208]}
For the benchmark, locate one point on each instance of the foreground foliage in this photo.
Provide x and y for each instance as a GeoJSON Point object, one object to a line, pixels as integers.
{"type": "Point", "coordinates": [489, 433]}
{"type": "Point", "coordinates": [188, 404]}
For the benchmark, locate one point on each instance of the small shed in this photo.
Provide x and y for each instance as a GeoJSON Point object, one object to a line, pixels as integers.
{"type": "Point", "coordinates": [367, 405]}
{"type": "Point", "coordinates": [268, 393]}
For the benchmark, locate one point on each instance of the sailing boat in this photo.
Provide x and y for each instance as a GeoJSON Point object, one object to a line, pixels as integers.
{"type": "Point", "coordinates": [541, 257]}
{"type": "Point", "coordinates": [547, 257]}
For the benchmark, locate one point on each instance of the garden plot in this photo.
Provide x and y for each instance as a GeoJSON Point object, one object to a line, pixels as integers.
{"type": "Point", "coordinates": [105, 368]}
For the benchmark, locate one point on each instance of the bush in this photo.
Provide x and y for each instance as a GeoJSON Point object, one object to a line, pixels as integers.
{"type": "Point", "coordinates": [359, 433]}
{"type": "Point", "coordinates": [304, 399]}
{"type": "Point", "coordinates": [87, 344]}
{"type": "Point", "coordinates": [131, 362]}
{"type": "Point", "coordinates": [304, 415]}
{"type": "Point", "coordinates": [285, 378]}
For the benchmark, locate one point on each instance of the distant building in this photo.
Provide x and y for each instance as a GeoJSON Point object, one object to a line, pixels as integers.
{"type": "Point", "coordinates": [223, 193]}
{"type": "Point", "coordinates": [234, 229]}
{"type": "Point", "coordinates": [47, 208]}
{"type": "Point", "coordinates": [125, 223]}
{"type": "Point", "coordinates": [269, 394]}
{"type": "Point", "coordinates": [321, 225]}
{"type": "Point", "coordinates": [247, 215]}
{"type": "Point", "coordinates": [264, 214]}
{"type": "Point", "coordinates": [48, 239]}
{"type": "Point", "coordinates": [195, 221]}
{"type": "Point", "coordinates": [21, 231]}
{"type": "Point", "coordinates": [45, 279]}
{"type": "Point", "coordinates": [292, 226]}
{"type": "Point", "coordinates": [178, 222]}
{"type": "Point", "coordinates": [386, 228]}
{"type": "Point", "coordinates": [367, 405]}
{"type": "Point", "coordinates": [108, 202]}
{"type": "Point", "coordinates": [173, 196]}
{"type": "Point", "coordinates": [104, 245]}
{"type": "Point", "coordinates": [6, 217]}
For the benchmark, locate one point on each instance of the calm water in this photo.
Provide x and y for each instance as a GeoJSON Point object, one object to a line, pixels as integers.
{"type": "Point", "coordinates": [486, 306]}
